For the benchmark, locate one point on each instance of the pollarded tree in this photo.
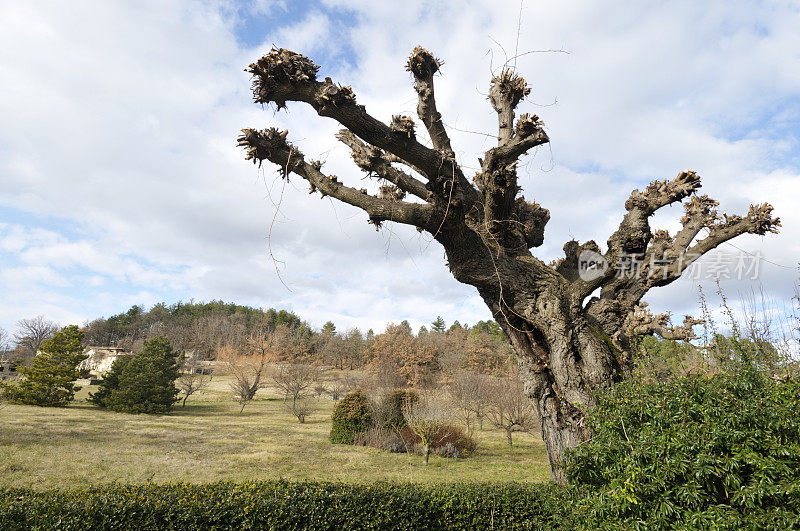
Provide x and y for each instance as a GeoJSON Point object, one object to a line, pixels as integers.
{"type": "Point", "coordinates": [567, 341]}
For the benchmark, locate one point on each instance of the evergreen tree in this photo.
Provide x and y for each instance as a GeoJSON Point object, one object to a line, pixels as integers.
{"type": "Point", "coordinates": [110, 381]}
{"type": "Point", "coordinates": [50, 380]}
{"type": "Point", "coordinates": [147, 381]}
{"type": "Point", "coordinates": [438, 325]}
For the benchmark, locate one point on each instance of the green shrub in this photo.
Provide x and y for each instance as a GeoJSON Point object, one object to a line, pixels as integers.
{"type": "Point", "coordinates": [144, 383]}
{"type": "Point", "coordinates": [351, 415]}
{"type": "Point", "coordinates": [709, 452]}
{"type": "Point", "coordinates": [389, 409]}
{"type": "Point", "coordinates": [283, 505]}
{"type": "Point", "coordinates": [110, 382]}
{"type": "Point", "coordinates": [50, 380]}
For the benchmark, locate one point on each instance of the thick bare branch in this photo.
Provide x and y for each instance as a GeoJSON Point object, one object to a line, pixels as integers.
{"type": "Point", "coordinates": [506, 92]}
{"type": "Point", "coordinates": [530, 219]}
{"type": "Point", "coordinates": [283, 75]}
{"type": "Point", "coordinates": [270, 144]}
{"type": "Point", "coordinates": [634, 231]}
{"type": "Point", "coordinates": [422, 64]}
{"type": "Point", "coordinates": [642, 322]}
{"type": "Point", "coordinates": [503, 211]}
{"type": "Point", "coordinates": [759, 221]}
{"type": "Point", "coordinates": [674, 258]}
{"type": "Point", "coordinates": [375, 161]}
{"type": "Point", "coordinates": [568, 266]}
{"type": "Point", "coordinates": [701, 212]}
{"type": "Point", "coordinates": [658, 259]}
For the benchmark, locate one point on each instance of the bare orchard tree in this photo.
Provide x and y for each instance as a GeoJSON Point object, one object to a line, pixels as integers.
{"type": "Point", "coordinates": [194, 377]}
{"type": "Point", "coordinates": [509, 409]}
{"type": "Point", "coordinates": [304, 406]}
{"type": "Point", "coordinates": [567, 341]}
{"type": "Point", "coordinates": [31, 333]}
{"type": "Point", "coordinates": [294, 380]}
{"type": "Point", "coordinates": [340, 385]}
{"type": "Point", "coordinates": [247, 366]}
{"type": "Point", "coordinates": [425, 417]}
{"type": "Point", "coordinates": [469, 391]}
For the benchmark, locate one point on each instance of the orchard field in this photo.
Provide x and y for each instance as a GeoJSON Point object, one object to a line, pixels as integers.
{"type": "Point", "coordinates": [210, 440]}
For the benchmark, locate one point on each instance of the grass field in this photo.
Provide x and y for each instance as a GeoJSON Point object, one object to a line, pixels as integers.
{"type": "Point", "coordinates": [209, 440]}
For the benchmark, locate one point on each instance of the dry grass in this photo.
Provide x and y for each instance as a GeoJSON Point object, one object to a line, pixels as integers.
{"type": "Point", "coordinates": [209, 440]}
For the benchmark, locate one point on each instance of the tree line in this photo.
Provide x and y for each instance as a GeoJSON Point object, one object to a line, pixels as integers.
{"type": "Point", "coordinates": [209, 328]}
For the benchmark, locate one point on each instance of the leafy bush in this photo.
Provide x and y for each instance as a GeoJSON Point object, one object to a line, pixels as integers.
{"type": "Point", "coordinates": [388, 410]}
{"type": "Point", "coordinates": [50, 380]}
{"type": "Point", "coordinates": [721, 451]}
{"type": "Point", "coordinates": [351, 415]}
{"type": "Point", "coordinates": [144, 383]}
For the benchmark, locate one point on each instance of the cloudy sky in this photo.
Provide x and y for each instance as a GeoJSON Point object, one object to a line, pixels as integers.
{"type": "Point", "coordinates": [121, 182]}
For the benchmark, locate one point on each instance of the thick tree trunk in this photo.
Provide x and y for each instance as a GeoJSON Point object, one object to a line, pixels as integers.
{"type": "Point", "coordinates": [562, 424]}
{"type": "Point", "coordinates": [562, 357]}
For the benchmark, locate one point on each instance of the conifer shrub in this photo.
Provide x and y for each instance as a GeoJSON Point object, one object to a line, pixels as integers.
{"type": "Point", "coordinates": [351, 415]}
{"type": "Point", "coordinates": [110, 382]}
{"type": "Point", "coordinates": [50, 380]}
{"type": "Point", "coordinates": [143, 382]}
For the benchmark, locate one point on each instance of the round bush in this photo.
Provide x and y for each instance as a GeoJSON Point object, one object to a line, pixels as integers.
{"type": "Point", "coordinates": [351, 415]}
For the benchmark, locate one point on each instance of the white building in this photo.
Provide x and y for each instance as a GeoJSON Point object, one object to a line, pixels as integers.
{"type": "Point", "coordinates": [99, 360]}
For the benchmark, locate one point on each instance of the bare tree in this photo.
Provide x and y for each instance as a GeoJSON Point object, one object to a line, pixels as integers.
{"type": "Point", "coordinates": [302, 407]}
{"type": "Point", "coordinates": [333, 349]}
{"type": "Point", "coordinates": [469, 392]}
{"type": "Point", "coordinates": [294, 380]}
{"type": "Point", "coordinates": [425, 417]}
{"type": "Point", "coordinates": [5, 341]}
{"type": "Point", "coordinates": [341, 385]}
{"type": "Point", "coordinates": [247, 366]}
{"type": "Point", "coordinates": [193, 377]}
{"type": "Point", "coordinates": [31, 333]}
{"type": "Point", "coordinates": [567, 341]}
{"type": "Point", "coordinates": [509, 408]}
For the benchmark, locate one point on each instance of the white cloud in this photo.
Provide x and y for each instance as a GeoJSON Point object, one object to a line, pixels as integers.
{"type": "Point", "coordinates": [120, 123]}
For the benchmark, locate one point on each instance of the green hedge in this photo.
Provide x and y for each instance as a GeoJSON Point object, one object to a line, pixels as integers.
{"type": "Point", "coordinates": [290, 505]}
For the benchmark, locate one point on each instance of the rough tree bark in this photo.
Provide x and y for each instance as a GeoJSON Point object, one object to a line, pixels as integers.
{"type": "Point", "coordinates": [573, 327]}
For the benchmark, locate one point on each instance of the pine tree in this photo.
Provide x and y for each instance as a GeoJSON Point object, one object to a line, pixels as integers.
{"type": "Point", "coordinates": [438, 325]}
{"type": "Point", "coordinates": [110, 381]}
{"type": "Point", "coordinates": [147, 381]}
{"type": "Point", "coordinates": [50, 380]}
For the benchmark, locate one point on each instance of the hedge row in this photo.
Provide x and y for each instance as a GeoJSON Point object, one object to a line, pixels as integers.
{"type": "Point", "coordinates": [290, 505]}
